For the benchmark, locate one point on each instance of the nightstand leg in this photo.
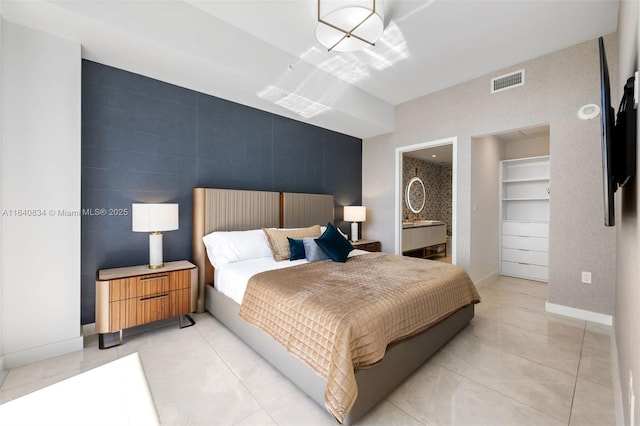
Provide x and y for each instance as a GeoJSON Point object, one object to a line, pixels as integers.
{"type": "Point", "coordinates": [101, 340]}
{"type": "Point", "coordinates": [188, 317]}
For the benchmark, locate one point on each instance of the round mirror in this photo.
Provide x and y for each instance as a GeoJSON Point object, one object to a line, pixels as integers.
{"type": "Point", "coordinates": [415, 195]}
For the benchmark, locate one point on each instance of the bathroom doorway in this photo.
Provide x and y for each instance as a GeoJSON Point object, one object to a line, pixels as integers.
{"type": "Point", "coordinates": [435, 163]}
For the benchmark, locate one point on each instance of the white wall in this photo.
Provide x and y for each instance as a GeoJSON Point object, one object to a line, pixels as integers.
{"type": "Point", "coordinates": [556, 86]}
{"type": "Point", "coordinates": [41, 80]}
{"type": "Point", "coordinates": [486, 153]}
{"type": "Point", "coordinates": [527, 147]}
{"type": "Point", "coordinates": [627, 314]}
{"type": "Point", "coordinates": [2, 369]}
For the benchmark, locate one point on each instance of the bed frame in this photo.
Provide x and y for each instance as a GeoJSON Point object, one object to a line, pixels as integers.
{"type": "Point", "coordinates": [226, 210]}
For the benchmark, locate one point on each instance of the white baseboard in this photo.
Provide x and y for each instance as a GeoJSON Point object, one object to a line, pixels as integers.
{"type": "Point", "coordinates": [615, 375]}
{"type": "Point", "coordinates": [89, 329]}
{"type": "Point", "coordinates": [27, 356]}
{"type": "Point", "coordinates": [3, 372]}
{"type": "Point", "coordinates": [578, 313]}
{"type": "Point", "coordinates": [487, 280]}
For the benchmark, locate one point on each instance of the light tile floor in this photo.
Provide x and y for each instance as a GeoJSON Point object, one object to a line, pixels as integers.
{"type": "Point", "coordinates": [514, 364]}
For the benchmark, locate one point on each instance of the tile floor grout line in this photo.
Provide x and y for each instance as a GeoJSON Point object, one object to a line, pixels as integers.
{"type": "Point", "coordinates": [514, 325]}
{"type": "Point", "coordinates": [262, 408]}
{"type": "Point", "coordinates": [498, 322]}
{"type": "Point", "coordinates": [497, 391]}
{"type": "Point", "coordinates": [575, 384]}
{"type": "Point", "coordinates": [3, 376]}
{"type": "Point", "coordinates": [210, 345]}
{"type": "Point", "coordinates": [541, 363]}
{"type": "Point", "coordinates": [387, 400]}
{"type": "Point", "coordinates": [506, 395]}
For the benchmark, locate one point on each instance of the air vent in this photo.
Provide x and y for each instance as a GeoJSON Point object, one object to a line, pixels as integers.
{"type": "Point", "coordinates": [508, 81]}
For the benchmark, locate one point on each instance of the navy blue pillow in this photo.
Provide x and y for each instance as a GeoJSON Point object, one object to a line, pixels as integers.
{"type": "Point", "coordinates": [296, 247]}
{"type": "Point", "coordinates": [334, 244]}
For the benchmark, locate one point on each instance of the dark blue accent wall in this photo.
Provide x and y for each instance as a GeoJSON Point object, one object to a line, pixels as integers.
{"type": "Point", "coordinates": [144, 140]}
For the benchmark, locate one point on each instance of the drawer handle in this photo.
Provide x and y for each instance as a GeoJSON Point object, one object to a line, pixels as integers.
{"type": "Point", "coordinates": [157, 296]}
{"type": "Point", "coordinates": [159, 277]}
{"type": "Point", "coordinates": [522, 263]}
{"type": "Point", "coordinates": [524, 250]}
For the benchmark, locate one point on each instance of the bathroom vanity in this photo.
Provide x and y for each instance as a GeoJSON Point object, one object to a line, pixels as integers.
{"type": "Point", "coordinates": [424, 238]}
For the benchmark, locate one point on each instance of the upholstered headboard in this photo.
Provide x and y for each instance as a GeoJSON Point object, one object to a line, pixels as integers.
{"type": "Point", "coordinates": [240, 210]}
{"type": "Point", "coordinates": [301, 210]}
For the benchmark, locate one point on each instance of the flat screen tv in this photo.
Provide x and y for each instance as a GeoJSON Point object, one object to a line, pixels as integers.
{"type": "Point", "coordinates": [618, 138]}
{"type": "Point", "coordinates": [608, 125]}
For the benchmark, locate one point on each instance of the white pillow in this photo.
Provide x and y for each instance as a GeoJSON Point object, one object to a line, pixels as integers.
{"type": "Point", "coordinates": [225, 247]}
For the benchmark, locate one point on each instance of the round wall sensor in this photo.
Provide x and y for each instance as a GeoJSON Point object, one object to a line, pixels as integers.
{"type": "Point", "coordinates": [589, 111]}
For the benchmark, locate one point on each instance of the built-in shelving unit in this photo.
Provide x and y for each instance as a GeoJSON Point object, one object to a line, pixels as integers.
{"type": "Point", "coordinates": [524, 218]}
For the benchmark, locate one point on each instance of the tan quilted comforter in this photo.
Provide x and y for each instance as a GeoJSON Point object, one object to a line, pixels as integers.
{"type": "Point", "coordinates": [337, 317]}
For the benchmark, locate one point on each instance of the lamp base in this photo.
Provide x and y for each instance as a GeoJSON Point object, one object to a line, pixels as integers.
{"type": "Point", "coordinates": [155, 250]}
{"type": "Point", "coordinates": [354, 232]}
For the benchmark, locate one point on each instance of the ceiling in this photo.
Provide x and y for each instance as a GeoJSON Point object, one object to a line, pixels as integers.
{"type": "Point", "coordinates": [442, 154]}
{"type": "Point", "coordinates": [263, 53]}
{"type": "Point", "coordinates": [525, 134]}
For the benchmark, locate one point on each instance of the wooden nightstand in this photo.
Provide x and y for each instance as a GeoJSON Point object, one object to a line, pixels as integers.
{"type": "Point", "coordinates": [367, 245]}
{"type": "Point", "coordinates": [136, 295]}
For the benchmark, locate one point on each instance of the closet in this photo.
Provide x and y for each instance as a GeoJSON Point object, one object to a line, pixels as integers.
{"type": "Point", "coordinates": [524, 218]}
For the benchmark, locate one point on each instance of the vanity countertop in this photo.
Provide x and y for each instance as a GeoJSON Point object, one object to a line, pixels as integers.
{"type": "Point", "coordinates": [421, 223]}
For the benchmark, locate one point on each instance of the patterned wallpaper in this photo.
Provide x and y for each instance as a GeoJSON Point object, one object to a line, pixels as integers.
{"type": "Point", "coordinates": [437, 182]}
{"type": "Point", "coordinates": [144, 140]}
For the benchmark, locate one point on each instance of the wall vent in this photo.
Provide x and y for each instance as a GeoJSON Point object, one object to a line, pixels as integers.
{"type": "Point", "coordinates": [507, 81]}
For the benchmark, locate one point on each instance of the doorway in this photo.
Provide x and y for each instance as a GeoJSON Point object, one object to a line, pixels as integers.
{"type": "Point", "coordinates": [490, 209]}
{"type": "Point", "coordinates": [424, 152]}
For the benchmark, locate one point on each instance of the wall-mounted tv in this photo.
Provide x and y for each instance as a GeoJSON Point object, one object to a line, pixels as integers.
{"type": "Point", "coordinates": [618, 138]}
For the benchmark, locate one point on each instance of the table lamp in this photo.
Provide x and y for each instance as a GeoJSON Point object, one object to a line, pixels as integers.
{"type": "Point", "coordinates": [355, 214]}
{"type": "Point", "coordinates": [154, 218]}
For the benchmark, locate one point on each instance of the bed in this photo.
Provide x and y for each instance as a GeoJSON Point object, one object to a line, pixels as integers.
{"type": "Point", "coordinates": [236, 210]}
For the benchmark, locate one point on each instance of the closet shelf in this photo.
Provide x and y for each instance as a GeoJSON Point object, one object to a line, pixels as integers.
{"type": "Point", "coordinates": [541, 179]}
{"type": "Point", "coordinates": [524, 221]}
{"type": "Point", "coordinates": [526, 199]}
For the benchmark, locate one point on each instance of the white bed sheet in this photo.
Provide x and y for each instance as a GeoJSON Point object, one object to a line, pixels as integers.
{"type": "Point", "coordinates": [232, 278]}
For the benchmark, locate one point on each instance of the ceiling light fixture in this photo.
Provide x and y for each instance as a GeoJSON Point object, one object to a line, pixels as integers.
{"type": "Point", "coordinates": [347, 26]}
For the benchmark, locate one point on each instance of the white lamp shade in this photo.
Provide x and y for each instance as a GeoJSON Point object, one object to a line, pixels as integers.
{"type": "Point", "coordinates": [355, 213]}
{"type": "Point", "coordinates": [154, 217]}
{"type": "Point", "coordinates": [355, 17]}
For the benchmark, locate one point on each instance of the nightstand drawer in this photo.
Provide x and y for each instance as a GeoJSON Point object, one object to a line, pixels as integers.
{"type": "Point", "coordinates": [153, 285]}
{"type": "Point", "coordinates": [131, 312]}
{"type": "Point", "coordinates": [131, 296]}
{"type": "Point", "coordinates": [134, 287]}
{"type": "Point", "coordinates": [149, 285]}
